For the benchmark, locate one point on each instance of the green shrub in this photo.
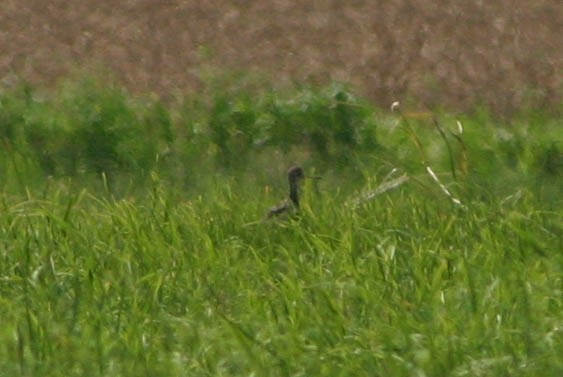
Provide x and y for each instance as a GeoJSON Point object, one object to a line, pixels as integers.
{"type": "Point", "coordinates": [90, 128]}
{"type": "Point", "coordinates": [332, 122]}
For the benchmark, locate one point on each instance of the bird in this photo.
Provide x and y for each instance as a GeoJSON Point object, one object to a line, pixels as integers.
{"type": "Point", "coordinates": [295, 176]}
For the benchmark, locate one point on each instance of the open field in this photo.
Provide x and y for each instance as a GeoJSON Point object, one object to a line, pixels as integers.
{"type": "Point", "coordinates": [132, 240]}
{"type": "Point", "coordinates": [132, 231]}
{"type": "Point", "coordinates": [506, 54]}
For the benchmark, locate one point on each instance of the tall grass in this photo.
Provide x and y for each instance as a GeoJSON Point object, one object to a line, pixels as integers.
{"type": "Point", "coordinates": [153, 259]}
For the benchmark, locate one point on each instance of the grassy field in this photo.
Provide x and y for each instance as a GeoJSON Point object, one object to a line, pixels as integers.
{"type": "Point", "coordinates": [132, 239]}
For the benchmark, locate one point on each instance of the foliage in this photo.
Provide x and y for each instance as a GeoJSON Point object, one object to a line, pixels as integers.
{"type": "Point", "coordinates": [435, 251]}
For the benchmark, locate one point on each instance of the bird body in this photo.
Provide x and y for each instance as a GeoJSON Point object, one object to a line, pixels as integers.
{"type": "Point", "coordinates": [286, 206]}
{"type": "Point", "coordinates": [295, 175]}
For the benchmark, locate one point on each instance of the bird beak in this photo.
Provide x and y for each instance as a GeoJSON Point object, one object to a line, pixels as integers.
{"type": "Point", "coordinates": [314, 177]}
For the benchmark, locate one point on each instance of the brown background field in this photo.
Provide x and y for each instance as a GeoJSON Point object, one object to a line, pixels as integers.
{"type": "Point", "coordinates": [455, 53]}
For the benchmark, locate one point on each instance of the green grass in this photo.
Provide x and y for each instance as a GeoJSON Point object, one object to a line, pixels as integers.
{"type": "Point", "coordinates": [163, 266]}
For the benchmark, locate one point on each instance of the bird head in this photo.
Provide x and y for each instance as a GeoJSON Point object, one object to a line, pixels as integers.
{"type": "Point", "coordinates": [296, 174]}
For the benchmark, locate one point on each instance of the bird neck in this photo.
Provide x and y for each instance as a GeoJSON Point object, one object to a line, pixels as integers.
{"type": "Point", "coordinates": [293, 194]}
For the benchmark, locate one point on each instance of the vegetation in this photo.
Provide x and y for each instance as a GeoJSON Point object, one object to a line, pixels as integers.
{"type": "Point", "coordinates": [132, 239]}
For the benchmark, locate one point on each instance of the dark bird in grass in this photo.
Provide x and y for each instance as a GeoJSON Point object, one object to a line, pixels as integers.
{"type": "Point", "coordinates": [295, 176]}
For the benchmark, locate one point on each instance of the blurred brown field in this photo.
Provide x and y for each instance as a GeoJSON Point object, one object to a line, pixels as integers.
{"type": "Point", "coordinates": [456, 54]}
